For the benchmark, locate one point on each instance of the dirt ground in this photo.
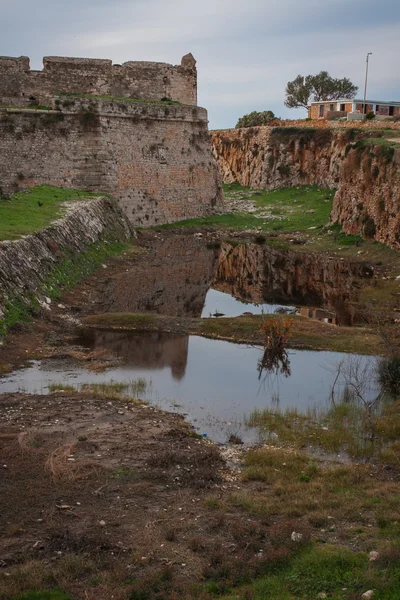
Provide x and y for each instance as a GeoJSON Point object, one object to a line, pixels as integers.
{"type": "Point", "coordinates": [97, 494]}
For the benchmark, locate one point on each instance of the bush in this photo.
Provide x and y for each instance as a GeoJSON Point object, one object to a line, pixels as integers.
{"type": "Point", "coordinates": [369, 228]}
{"type": "Point", "coordinates": [389, 374]}
{"type": "Point", "coordinates": [256, 118]}
{"type": "Point", "coordinates": [370, 115]}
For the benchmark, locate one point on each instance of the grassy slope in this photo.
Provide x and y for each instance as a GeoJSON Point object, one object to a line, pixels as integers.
{"type": "Point", "coordinates": [34, 209]}
{"type": "Point", "coordinates": [287, 209]}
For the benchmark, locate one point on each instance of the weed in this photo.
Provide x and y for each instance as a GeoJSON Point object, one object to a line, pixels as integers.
{"type": "Point", "coordinates": [389, 374]}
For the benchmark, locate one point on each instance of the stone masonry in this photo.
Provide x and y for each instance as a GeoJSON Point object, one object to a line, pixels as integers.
{"type": "Point", "coordinates": [155, 159]}
{"type": "Point", "coordinates": [21, 86]}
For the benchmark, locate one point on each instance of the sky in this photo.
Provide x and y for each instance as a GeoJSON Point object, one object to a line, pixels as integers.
{"type": "Point", "coordinates": [246, 50]}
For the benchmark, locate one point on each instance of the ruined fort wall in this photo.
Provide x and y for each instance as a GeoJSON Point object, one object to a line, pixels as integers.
{"type": "Point", "coordinates": [154, 159]}
{"type": "Point", "coordinates": [367, 176]}
{"type": "Point", "coordinates": [19, 85]}
{"type": "Point", "coordinates": [26, 264]}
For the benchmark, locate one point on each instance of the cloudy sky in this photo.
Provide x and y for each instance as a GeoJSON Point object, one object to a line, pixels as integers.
{"type": "Point", "coordinates": [247, 50]}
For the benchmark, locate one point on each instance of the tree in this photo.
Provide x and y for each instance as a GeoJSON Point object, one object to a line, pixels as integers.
{"type": "Point", "coordinates": [314, 88]}
{"type": "Point", "coordinates": [256, 118]}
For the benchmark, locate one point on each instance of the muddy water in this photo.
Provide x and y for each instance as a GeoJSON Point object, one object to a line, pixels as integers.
{"type": "Point", "coordinates": [183, 276]}
{"type": "Point", "coordinates": [215, 383]}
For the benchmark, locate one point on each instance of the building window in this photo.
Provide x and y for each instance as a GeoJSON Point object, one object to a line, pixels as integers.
{"type": "Point", "coordinates": [343, 107]}
{"type": "Point", "coordinates": [321, 110]}
{"type": "Point", "coordinates": [391, 111]}
{"type": "Point", "coordinates": [377, 109]}
{"type": "Point", "coordinates": [332, 107]}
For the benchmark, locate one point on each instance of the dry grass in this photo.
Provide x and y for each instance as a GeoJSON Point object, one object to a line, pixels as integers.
{"type": "Point", "coordinates": [62, 466]}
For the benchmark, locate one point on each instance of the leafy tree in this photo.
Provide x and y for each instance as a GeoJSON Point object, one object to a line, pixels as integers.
{"type": "Point", "coordinates": [256, 118]}
{"type": "Point", "coordinates": [314, 88]}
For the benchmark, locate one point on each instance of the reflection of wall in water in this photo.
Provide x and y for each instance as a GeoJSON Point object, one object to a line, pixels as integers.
{"type": "Point", "coordinates": [174, 283]}
{"type": "Point", "coordinates": [264, 274]}
{"type": "Point", "coordinates": [318, 314]}
{"type": "Point", "coordinates": [150, 351]}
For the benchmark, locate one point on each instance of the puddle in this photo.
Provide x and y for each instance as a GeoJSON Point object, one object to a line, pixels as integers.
{"type": "Point", "coordinates": [185, 277]}
{"type": "Point", "coordinates": [220, 304]}
{"type": "Point", "coordinates": [214, 382]}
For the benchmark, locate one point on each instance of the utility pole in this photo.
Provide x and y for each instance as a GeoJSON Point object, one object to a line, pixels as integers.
{"type": "Point", "coordinates": [366, 79]}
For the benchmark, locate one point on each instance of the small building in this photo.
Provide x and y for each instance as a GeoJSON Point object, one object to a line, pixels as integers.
{"type": "Point", "coordinates": [329, 109]}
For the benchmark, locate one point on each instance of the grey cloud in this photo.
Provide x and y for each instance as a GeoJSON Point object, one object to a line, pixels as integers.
{"type": "Point", "coordinates": [246, 50]}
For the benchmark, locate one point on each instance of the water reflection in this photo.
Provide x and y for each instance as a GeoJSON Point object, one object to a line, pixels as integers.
{"type": "Point", "coordinates": [274, 362]}
{"type": "Point", "coordinates": [221, 304]}
{"type": "Point", "coordinates": [184, 277]}
{"type": "Point", "coordinates": [214, 382]}
{"type": "Point", "coordinates": [152, 351]}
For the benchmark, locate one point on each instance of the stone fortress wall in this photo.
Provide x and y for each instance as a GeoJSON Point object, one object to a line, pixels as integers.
{"type": "Point", "coordinates": [19, 85]}
{"type": "Point", "coordinates": [154, 157]}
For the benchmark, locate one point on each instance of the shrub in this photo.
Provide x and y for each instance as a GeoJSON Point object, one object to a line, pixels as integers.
{"type": "Point", "coordinates": [284, 169]}
{"type": "Point", "coordinates": [389, 374]}
{"type": "Point", "coordinates": [256, 118]}
{"type": "Point", "coordinates": [370, 115]}
{"type": "Point", "coordinates": [369, 228]}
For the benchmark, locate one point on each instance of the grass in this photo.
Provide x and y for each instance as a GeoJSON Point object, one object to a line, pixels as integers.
{"type": "Point", "coordinates": [43, 595]}
{"type": "Point", "coordinates": [285, 209]}
{"type": "Point", "coordinates": [69, 271]}
{"type": "Point", "coordinates": [352, 505]}
{"type": "Point", "coordinates": [111, 390]}
{"type": "Point", "coordinates": [247, 329]}
{"type": "Point", "coordinates": [34, 107]}
{"type": "Point", "coordinates": [338, 573]}
{"type": "Point", "coordinates": [119, 99]}
{"type": "Point", "coordinates": [32, 210]}
{"type": "Point", "coordinates": [344, 427]}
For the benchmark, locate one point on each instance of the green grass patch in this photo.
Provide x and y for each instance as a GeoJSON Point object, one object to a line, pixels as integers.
{"type": "Point", "coordinates": [32, 210]}
{"type": "Point", "coordinates": [69, 271]}
{"type": "Point", "coordinates": [38, 107]}
{"type": "Point", "coordinates": [166, 102]}
{"type": "Point", "coordinates": [285, 209]}
{"type": "Point", "coordinates": [73, 268]}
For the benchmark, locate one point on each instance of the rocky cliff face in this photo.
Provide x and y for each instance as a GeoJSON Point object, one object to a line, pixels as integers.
{"type": "Point", "coordinates": [26, 264]}
{"type": "Point", "coordinates": [366, 173]}
{"type": "Point", "coordinates": [259, 273]}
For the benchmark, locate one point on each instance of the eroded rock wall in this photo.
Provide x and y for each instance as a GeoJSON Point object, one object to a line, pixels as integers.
{"type": "Point", "coordinates": [25, 264]}
{"type": "Point", "coordinates": [365, 173]}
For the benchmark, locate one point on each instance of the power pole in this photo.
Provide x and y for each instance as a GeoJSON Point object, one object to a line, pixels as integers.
{"type": "Point", "coordinates": [366, 79]}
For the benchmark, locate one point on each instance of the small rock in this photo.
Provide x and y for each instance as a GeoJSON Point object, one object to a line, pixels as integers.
{"type": "Point", "coordinates": [296, 537]}
{"type": "Point", "coordinates": [102, 523]}
{"type": "Point", "coordinates": [367, 594]}
{"type": "Point", "coordinates": [322, 595]}
{"type": "Point", "coordinates": [373, 555]}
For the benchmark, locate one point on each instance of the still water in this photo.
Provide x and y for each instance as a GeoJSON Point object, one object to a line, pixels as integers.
{"type": "Point", "coordinates": [226, 305]}
{"type": "Point", "coordinates": [215, 383]}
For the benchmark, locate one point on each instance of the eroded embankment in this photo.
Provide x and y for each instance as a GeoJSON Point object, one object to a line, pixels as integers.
{"type": "Point", "coordinates": [32, 268]}
{"type": "Point", "coordinates": [365, 171]}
